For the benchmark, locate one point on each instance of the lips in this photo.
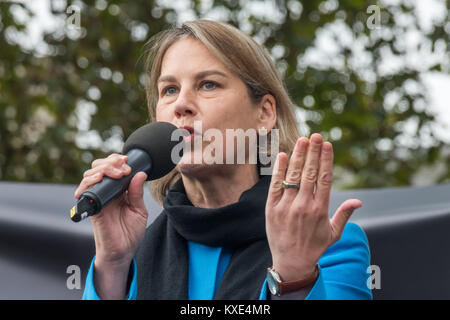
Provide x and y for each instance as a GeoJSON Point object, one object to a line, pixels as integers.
{"type": "Point", "coordinates": [188, 128]}
{"type": "Point", "coordinates": [191, 133]}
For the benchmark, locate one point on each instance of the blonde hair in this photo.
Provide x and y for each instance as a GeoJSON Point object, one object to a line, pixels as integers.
{"type": "Point", "coordinates": [241, 55]}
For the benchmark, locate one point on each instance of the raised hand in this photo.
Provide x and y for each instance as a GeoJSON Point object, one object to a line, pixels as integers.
{"type": "Point", "coordinates": [298, 228]}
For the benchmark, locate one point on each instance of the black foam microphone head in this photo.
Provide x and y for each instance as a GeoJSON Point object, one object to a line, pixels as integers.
{"type": "Point", "coordinates": [155, 139]}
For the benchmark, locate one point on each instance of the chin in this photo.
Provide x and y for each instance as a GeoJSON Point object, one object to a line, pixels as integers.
{"type": "Point", "coordinates": [187, 166]}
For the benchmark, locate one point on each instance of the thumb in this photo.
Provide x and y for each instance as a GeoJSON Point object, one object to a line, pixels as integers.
{"type": "Point", "coordinates": [342, 215]}
{"type": "Point", "coordinates": [136, 190]}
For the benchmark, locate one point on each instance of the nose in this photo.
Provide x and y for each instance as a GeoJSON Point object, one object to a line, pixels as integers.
{"type": "Point", "coordinates": [185, 104]}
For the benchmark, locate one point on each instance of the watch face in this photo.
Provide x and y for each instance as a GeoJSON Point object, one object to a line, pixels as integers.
{"type": "Point", "coordinates": [271, 283]}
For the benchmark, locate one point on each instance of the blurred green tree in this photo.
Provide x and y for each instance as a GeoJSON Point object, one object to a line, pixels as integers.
{"type": "Point", "coordinates": [76, 95]}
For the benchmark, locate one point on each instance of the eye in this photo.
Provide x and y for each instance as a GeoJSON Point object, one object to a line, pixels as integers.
{"type": "Point", "coordinates": [209, 85]}
{"type": "Point", "coordinates": [169, 90]}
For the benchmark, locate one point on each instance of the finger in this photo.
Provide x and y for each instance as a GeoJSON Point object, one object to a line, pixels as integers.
{"type": "Point", "coordinates": [325, 177]}
{"type": "Point", "coordinates": [136, 191]}
{"type": "Point", "coordinates": [110, 169]}
{"type": "Point", "coordinates": [98, 173]}
{"type": "Point", "coordinates": [311, 168]}
{"type": "Point", "coordinates": [87, 182]}
{"type": "Point", "coordinates": [296, 164]}
{"type": "Point", "coordinates": [113, 171]}
{"type": "Point", "coordinates": [114, 158]}
{"type": "Point", "coordinates": [342, 215]}
{"type": "Point", "coordinates": [278, 174]}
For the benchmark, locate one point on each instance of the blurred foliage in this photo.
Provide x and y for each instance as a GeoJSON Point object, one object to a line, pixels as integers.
{"type": "Point", "coordinates": [68, 101]}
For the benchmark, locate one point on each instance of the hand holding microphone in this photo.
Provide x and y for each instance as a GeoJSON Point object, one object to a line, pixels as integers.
{"type": "Point", "coordinates": [111, 192]}
{"type": "Point", "coordinates": [148, 149]}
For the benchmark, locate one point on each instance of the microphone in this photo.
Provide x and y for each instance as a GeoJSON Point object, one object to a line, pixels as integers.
{"type": "Point", "coordinates": [149, 149]}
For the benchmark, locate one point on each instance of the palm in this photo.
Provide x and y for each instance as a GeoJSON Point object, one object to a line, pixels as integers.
{"type": "Point", "coordinates": [298, 228]}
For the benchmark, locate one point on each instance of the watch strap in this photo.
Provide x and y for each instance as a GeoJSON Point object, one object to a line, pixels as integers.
{"type": "Point", "coordinates": [291, 286]}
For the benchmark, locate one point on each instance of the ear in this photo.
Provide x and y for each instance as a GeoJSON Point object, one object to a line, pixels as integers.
{"type": "Point", "coordinates": [267, 112]}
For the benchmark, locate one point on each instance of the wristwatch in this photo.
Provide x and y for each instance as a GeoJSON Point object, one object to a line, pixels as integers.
{"type": "Point", "coordinates": [277, 287]}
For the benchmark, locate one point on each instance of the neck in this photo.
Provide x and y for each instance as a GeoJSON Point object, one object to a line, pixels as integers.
{"type": "Point", "coordinates": [222, 188]}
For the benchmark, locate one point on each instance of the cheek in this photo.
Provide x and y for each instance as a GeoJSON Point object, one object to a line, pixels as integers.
{"type": "Point", "coordinates": [161, 114]}
{"type": "Point", "coordinates": [232, 112]}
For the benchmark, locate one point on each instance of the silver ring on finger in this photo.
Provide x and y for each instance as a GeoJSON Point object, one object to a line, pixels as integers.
{"type": "Point", "coordinates": [287, 185]}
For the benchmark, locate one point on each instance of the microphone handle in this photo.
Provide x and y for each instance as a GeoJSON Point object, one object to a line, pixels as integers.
{"type": "Point", "coordinates": [94, 199]}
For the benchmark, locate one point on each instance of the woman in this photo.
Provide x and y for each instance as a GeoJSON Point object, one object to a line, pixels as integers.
{"type": "Point", "coordinates": [226, 231]}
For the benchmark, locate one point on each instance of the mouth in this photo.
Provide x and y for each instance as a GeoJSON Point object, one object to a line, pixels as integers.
{"type": "Point", "coordinates": [189, 135]}
{"type": "Point", "coordinates": [188, 128]}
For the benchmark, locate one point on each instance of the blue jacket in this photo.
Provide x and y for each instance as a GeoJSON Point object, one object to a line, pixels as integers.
{"type": "Point", "coordinates": [342, 271]}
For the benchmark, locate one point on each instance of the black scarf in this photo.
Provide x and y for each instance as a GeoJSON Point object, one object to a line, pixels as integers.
{"type": "Point", "coordinates": [162, 258]}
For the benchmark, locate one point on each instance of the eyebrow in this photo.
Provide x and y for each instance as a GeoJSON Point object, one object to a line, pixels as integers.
{"type": "Point", "coordinates": [199, 75]}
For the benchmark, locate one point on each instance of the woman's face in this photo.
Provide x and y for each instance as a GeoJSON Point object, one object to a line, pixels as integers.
{"type": "Point", "coordinates": [195, 86]}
